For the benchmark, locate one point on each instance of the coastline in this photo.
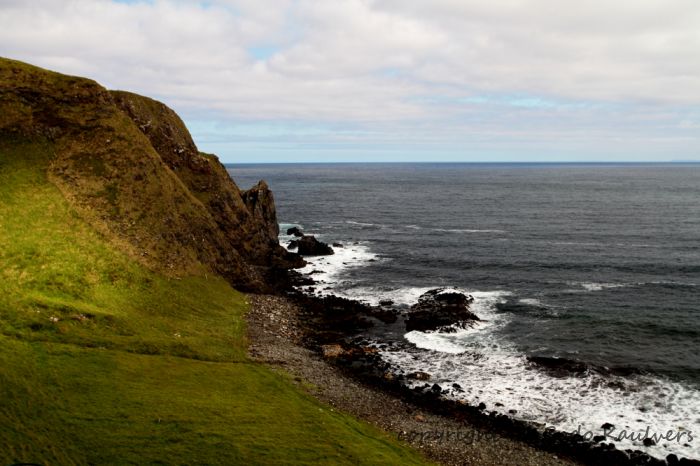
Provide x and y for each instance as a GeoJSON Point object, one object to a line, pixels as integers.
{"type": "Point", "coordinates": [276, 339]}
{"type": "Point", "coordinates": [342, 326]}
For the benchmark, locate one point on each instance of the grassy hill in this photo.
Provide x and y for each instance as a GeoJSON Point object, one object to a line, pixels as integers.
{"type": "Point", "coordinates": [105, 360]}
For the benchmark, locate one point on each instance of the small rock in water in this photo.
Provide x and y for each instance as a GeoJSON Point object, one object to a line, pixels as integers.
{"type": "Point", "coordinates": [418, 376]}
{"type": "Point", "coordinates": [310, 246]}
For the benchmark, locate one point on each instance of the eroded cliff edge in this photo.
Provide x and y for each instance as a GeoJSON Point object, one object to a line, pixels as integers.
{"type": "Point", "coordinates": [129, 166]}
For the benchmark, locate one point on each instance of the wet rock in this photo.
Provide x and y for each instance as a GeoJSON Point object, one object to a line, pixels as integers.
{"type": "Point", "coordinates": [293, 244]}
{"type": "Point", "coordinates": [386, 302]}
{"type": "Point", "coordinates": [332, 351]}
{"type": "Point", "coordinates": [337, 245]}
{"type": "Point", "coordinates": [648, 442]}
{"type": "Point", "coordinates": [558, 367]}
{"type": "Point", "coordinates": [418, 376]}
{"type": "Point", "coordinates": [295, 231]}
{"type": "Point", "coordinates": [310, 246]}
{"type": "Point", "coordinates": [439, 310]}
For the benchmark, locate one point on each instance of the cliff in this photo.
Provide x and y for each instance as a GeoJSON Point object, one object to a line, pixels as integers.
{"type": "Point", "coordinates": [128, 165]}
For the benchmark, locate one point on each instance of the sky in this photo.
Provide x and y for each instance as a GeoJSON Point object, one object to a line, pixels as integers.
{"type": "Point", "coordinates": [391, 80]}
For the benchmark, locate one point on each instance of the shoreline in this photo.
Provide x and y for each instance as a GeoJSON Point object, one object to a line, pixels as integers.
{"type": "Point", "coordinates": [341, 325]}
{"type": "Point", "coordinates": [276, 338]}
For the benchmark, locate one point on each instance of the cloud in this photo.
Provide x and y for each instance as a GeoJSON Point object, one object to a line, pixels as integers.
{"type": "Point", "coordinates": [452, 75]}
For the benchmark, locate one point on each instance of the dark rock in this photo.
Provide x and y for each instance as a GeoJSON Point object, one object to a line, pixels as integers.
{"type": "Point", "coordinates": [607, 426]}
{"type": "Point", "coordinates": [296, 231]}
{"type": "Point", "coordinates": [436, 388]}
{"type": "Point", "coordinates": [613, 456]}
{"type": "Point", "coordinates": [310, 246]}
{"type": "Point", "coordinates": [337, 245]}
{"type": "Point", "coordinates": [418, 376]}
{"type": "Point", "coordinates": [649, 442]}
{"type": "Point", "coordinates": [672, 460]}
{"type": "Point", "coordinates": [598, 438]}
{"type": "Point", "coordinates": [293, 244]}
{"type": "Point", "coordinates": [688, 462]}
{"type": "Point", "coordinates": [386, 302]}
{"type": "Point", "coordinates": [481, 406]}
{"type": "Point", "coordinates": [437, 310]}
{"type": "Point", "coordinates": [558, 367]}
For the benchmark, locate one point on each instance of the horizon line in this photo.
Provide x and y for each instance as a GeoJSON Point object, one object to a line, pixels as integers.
{"type": "Point", "coordinates": [446, 162]}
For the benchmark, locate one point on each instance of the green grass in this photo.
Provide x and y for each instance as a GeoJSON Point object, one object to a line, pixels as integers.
{"type": "Point", "coordinates": [105, 362]}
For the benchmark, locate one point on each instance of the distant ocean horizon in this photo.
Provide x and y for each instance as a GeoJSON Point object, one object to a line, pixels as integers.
{"type": "Point", "coordinates": [597, 263]}
{"type": "Point", "coordinates": [233, 165]}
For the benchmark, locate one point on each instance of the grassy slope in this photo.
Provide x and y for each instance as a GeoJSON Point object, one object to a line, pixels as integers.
{"type": "Point", "coordinates": [138, 368]}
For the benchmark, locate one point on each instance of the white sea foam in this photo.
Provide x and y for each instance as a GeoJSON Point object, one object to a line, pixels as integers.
{"type": "Point", "coordinates": [530, 301]}
{"type": "Point", "coordinates": [491, 370]}
{"type": "Point", "coordinates": [466, 230]}
{"type": "Point", "coordinates": [362, 224]}
{"type": "Point", "coordinates": [327, 270]}
{"type": "Point", "coordinates": [591, 286]}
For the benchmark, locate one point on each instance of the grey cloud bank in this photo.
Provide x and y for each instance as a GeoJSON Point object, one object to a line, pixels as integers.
{"type": "Point", "coordinates": [391, 80]}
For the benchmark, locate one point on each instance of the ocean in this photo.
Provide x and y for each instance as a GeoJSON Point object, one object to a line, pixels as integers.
{"type": "Point", "coordinates": [596, 263]}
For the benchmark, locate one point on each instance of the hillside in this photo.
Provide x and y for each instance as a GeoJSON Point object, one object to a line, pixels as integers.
{"type": "Point", "coordinates": [118, 343]}
{"type": "Point", "coordinates": [129, 166]}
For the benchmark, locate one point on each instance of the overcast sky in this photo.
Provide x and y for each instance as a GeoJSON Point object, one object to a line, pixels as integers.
{"type": "Point", "coordinates": [391, 80]}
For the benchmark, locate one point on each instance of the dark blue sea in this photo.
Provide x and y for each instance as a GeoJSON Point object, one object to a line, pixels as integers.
{"type": "Point", "coordinates": [596, 263]}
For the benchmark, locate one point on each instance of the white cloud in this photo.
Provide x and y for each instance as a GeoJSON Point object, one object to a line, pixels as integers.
{"type": "Point", "coordinates": [394, 70]}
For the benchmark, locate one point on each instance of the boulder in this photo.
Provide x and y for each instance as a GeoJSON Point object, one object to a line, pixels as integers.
{"type": "Point", "coordinates": [439, 310]}
{"type": "Point", "coordinates": [296, 231]}
{"type": "Point", "coordinates": [418, 376]}
{"type": "Point", "coordinates": [560, 367]}
{"type": "Point", "coordinates": [309, 246]}
{"type": "Point", "coordinates": [332, 351]}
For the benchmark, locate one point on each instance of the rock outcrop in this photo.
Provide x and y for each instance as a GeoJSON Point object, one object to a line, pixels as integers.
{"type": "Point", "coordinates": [128, 165]}
{"type": "Point", "coordinates": [440, 310]}
{"type": "Point", "coordinates": [308, 245]}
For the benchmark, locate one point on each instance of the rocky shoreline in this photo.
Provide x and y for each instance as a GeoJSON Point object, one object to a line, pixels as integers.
{"type": "Point", "coordinates": [327, 341]}
{"type": "Point", "coordinates": [320, 340]}
{"type": "Point", "coordinates": [278, 338]}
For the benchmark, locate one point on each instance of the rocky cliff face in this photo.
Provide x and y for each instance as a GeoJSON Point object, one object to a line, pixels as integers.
{"type": "Point", "coordinates": [129, 166]}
